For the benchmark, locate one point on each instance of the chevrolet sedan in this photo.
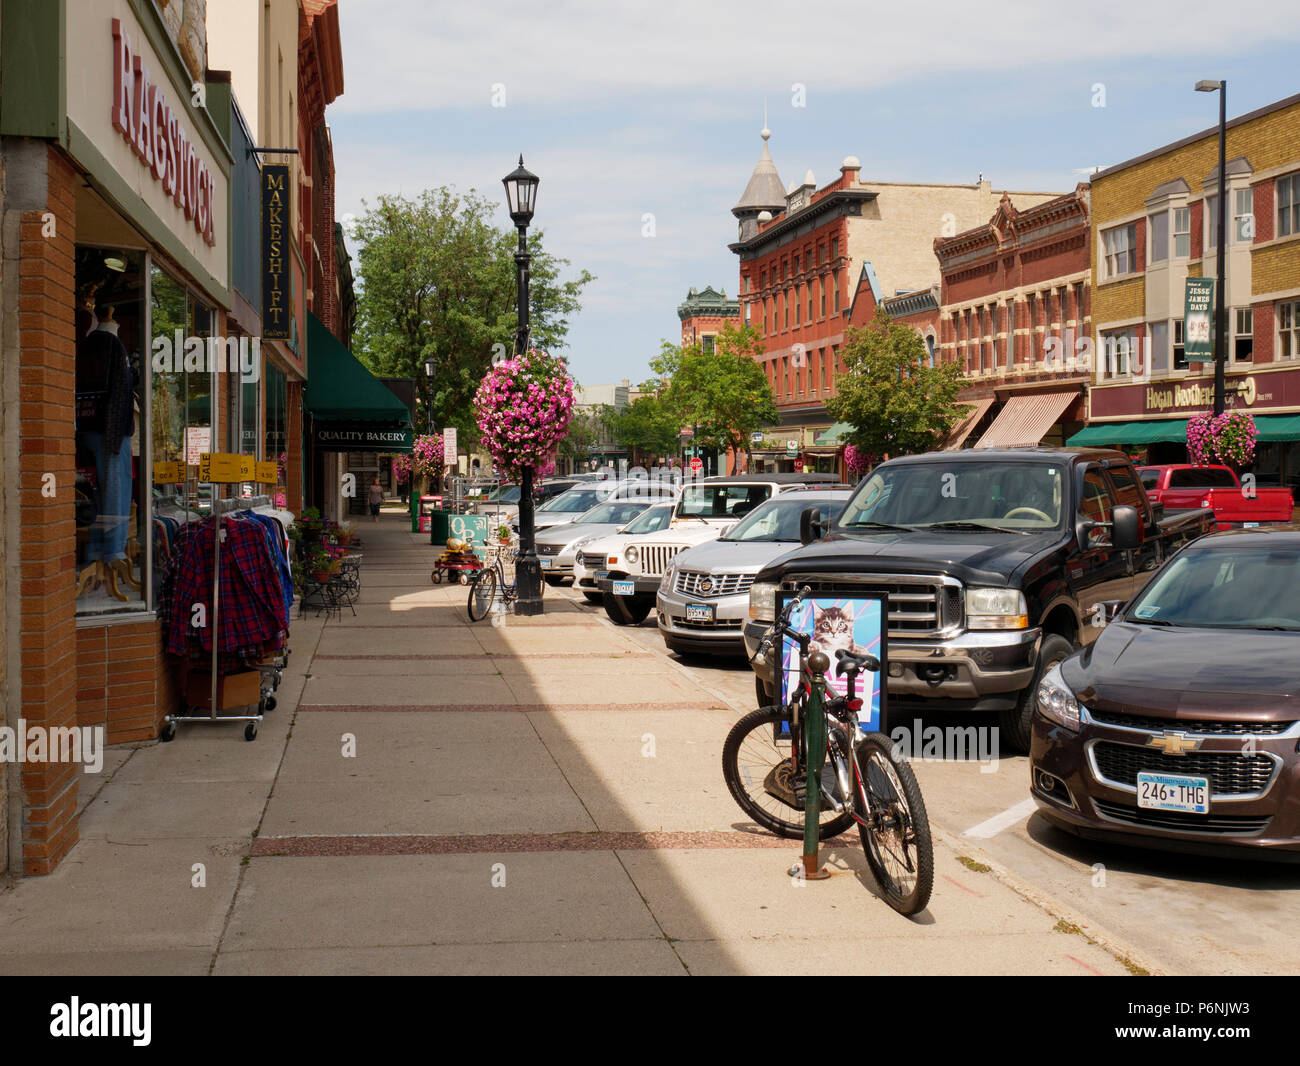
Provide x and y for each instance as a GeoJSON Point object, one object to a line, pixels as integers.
{"type": "Point", "coordinates": [1178, 727]}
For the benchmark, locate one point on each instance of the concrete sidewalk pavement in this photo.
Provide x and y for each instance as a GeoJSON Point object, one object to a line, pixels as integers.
{"type": "Point", "coordinates": [539, 796]}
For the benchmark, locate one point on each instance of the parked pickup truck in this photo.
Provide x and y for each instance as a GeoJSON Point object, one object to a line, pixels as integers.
{"type": "Point", "coordinates": [1179, 487]}
{"type": "Point", "coordinates": [997, 565]}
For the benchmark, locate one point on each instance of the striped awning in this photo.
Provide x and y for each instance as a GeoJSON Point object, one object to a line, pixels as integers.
{"type": "Point", "coordinates": [1025, 419]}
{"type": "Point", "coordinates": [962, 429]}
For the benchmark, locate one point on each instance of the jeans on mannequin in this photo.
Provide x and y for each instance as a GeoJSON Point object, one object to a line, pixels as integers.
{"type": "Point", "coordinates": [109, 533]}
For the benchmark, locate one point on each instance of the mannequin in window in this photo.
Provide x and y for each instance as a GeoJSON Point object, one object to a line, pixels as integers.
{"type": "Point", "coordinates": [105, 425]}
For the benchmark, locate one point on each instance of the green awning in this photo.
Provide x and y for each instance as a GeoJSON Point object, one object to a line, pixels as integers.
{"type": "Point", "coordinates": [1278, 427]}
{"type": "Point", "coordinates": [1110, 433]}
{"type": "Point", "coordinates": [837, 434]}
{"type": "Point", "coordinates": [340, 389]}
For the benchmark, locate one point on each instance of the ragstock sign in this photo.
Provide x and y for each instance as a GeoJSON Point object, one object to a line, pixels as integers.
{"type": "Point", "coordinates": [275, 226]}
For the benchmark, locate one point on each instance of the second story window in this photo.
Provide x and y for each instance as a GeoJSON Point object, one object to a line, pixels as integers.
{"type": "Point", "coordinates": [1288, 205]}
{"type": "Point", "coordinates": [835, 288]}
{"type": "Point", "coordinates": [1158, 241]}
{"type": "Point", "coordinates": [1117, 248]}
{"type": "Point", "coordinates": [1182, 232]}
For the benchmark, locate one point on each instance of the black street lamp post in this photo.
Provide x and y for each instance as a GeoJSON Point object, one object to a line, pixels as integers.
{"type": "Point", "coordinates": [1220, 316]}
{"type": "Point", "coordinates": [521, 195]}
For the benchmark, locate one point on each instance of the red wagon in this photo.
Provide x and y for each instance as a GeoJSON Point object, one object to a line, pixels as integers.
{"type": "Point", "coordinates": [455, 566]}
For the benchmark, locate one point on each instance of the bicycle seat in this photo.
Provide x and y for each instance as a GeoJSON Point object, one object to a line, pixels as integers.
{"type": "Point", "coordinates": [849, 661]}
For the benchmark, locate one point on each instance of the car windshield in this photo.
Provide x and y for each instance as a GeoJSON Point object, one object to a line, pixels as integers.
{"type": "Point", "coordinates": [778, 519]}
{"type": "Point", "coordinates": [575, 501]}
{"type": "Point", "coordinates": [721, 501]}
{"type": "Point", "coordinates": [615, 513]}
{"type": "Point", "coordinates": [651, 520]}
{"type": "Point", "coordinates": [1016, 497]}
{"type": "Point", "coordinates": [504, 494]}
{"type": "Point", "coordinates": [1224, 588]}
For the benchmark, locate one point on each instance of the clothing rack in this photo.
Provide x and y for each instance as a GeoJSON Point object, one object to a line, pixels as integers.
{"type": "Point", "coordinates": [219, 508]}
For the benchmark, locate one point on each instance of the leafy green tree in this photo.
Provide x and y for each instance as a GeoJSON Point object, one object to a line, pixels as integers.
{"type": "Point", "coordinates": [646, 427]}
{"type": "Point", "coordinates": [895, 402]}
{"type": "Point", "coordinates": [724, 393]}
{"type": "Point", "coordinates": [436, 279]}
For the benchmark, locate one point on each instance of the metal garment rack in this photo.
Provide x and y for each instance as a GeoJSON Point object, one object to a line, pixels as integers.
{"type": "Point", "coordinates": [220, 507]}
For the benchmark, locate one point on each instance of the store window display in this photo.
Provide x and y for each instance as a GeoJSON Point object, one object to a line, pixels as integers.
{"type": "Point", "coordinates": [109, 471]}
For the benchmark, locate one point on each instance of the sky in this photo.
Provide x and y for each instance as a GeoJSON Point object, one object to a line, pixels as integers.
{"type": "Point", "coordinates": [642, 120]}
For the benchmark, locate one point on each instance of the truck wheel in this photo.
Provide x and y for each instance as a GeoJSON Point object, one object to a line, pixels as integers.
{"type": "Point", "coordinates": [628, 610]}
{"type": "Point", "coordinates": [1015, 721]}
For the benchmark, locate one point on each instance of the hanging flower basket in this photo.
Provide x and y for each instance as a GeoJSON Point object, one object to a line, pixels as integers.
{"type": "Point", "coordinates": [523, 409]}
{"type": "Point", "coordinates": [1222, 440]}
{"type": "Point", "coordinates": [857, 461]}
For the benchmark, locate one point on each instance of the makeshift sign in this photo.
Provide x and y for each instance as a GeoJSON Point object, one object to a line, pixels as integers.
{"type": "Point", "coordinates": [852, 621]}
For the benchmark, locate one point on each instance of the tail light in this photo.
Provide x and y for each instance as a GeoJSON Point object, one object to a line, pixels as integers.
{"type": "Point", "coordinates": [853, 705]}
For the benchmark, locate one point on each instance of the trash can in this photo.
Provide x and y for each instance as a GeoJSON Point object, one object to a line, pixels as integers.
{"type": "Point", "coordinates": [439, 527]}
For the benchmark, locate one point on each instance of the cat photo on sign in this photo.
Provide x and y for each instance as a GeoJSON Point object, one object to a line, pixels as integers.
{"type": "Point", "coordinates": [852, 623]}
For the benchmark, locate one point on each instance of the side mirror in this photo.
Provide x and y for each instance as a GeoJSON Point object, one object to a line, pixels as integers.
{"type": "Point", "coordinates": [1127, 528]}
{"type": "Point", "coordinates": [810, 525]}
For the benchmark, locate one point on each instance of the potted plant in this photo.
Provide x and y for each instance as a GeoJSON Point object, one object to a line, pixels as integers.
{"type": "Point", "coordinates": [503, 534]}
{"type": "Point", "coordinates": [320, 563]}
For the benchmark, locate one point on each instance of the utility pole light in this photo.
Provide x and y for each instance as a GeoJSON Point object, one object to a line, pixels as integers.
{"type": "Point", "coordinates": [521, 197]}
{"type": "Point", "coordinates": [1220, 317]}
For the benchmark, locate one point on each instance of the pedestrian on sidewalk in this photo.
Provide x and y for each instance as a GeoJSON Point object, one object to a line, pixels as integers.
{"type": "Point", "coordinates": [376, 498]}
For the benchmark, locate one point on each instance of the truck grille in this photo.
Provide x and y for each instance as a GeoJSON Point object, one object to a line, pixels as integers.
{"type": "Point", "coordinates": [732, 624]}
{"type": "Point", "coordinates": [918, 606]}
{"type": "Point", "coordinates": [1197, 823]}
{"type": "Point", "coordinates": [1159, 725]}
{"type": "Point", "coordinates": [549, 549]}
{"type": "Point", "coordinates": [689, 583]}
{"type": "Point", "coordinates": [1230, 773]}
{"type": "Point", "coordinates": [592, 560]}
{"type": "Point", "coordinates": [654, 558]}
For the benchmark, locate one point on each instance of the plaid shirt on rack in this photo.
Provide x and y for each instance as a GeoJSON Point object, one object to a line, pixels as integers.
{"type": "Point", "coordinates": [252, 611]}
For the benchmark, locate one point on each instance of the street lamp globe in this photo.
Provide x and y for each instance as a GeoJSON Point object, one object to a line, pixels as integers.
{"type": "Point", "coordinates": [521, 194]}
{"type": "Point", "coordinates": [429, 367]}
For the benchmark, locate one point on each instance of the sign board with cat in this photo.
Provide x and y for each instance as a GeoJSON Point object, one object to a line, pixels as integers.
{"type": "Point", "coordinates": [852, 621]}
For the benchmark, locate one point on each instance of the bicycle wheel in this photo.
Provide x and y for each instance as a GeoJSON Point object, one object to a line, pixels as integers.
{"type": "Point", "coordinates": [760, 766]}
{"type": "Point", "coordinates": [482, 592]}
{"type": "Point", "coordinates": [893, 824]}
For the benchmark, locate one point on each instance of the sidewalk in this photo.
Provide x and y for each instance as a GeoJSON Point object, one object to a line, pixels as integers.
{"type": "Point", "coordinates": [432, 796]}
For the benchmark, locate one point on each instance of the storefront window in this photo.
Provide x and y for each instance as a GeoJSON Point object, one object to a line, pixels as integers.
{"type": "Point", "coordinates": [277, 428]}
{"type": "Point", "coordinates": [111, 471]}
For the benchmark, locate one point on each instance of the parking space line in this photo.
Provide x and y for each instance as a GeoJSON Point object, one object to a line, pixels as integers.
{"type": "Point", "coordinates": [993, 826]}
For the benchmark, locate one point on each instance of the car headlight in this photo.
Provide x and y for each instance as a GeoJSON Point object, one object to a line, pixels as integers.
{"type": "Point", "coordinates": [670, 575]}
{"type": "Point", "coordinates": [575, 545]}
{"type": "Point", "coordinates": [996, 609]}
{"type": "Point", "coordinates": [1056, 701]}
{"type": "Point", "coordinates": [631, 554]}
{"type": "Point", "coordinates": [762, 601]}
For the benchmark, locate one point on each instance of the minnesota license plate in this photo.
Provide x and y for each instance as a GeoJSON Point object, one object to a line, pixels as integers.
{"type": "Point", "coordinates": [544, 562]}
{"type": "Point", "coordinates": [699, 612]}
{"type": "Point", "coordinates": [1166, 792]}
{"type": "Point", "coordinates": [624, 588]}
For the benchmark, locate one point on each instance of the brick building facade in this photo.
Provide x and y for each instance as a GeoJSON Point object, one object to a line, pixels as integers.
{"type": "Point", "coordinates": [1153, 227]}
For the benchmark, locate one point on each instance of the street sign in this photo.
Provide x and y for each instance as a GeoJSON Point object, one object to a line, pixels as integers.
{"type": "Point", "coordinates": [697, 464]}
{"type": "Point", "coordinates": [1198, 318]}
{"type": "Point", "coordinates": [449, 446]}
{"type": "Point", "coordinates": [756, 437]}
{"type": "Point", "coordinates": [792, 448]}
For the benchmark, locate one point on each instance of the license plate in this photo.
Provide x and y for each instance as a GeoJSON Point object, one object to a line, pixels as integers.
{"type": "Point", "coordinates": [1165, 792]}
{"type": "Point", "coordinates": [544, 562]}
{"type": "Point", "coordinates": [699, 612]}
{"type": "Point", "coordinates": [1249, 525]}
{"type": "Point", "coordinates": [624, 588]}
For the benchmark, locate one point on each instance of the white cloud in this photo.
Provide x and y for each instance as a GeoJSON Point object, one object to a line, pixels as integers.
{"type": "Point", "coordinates": [411, 54]}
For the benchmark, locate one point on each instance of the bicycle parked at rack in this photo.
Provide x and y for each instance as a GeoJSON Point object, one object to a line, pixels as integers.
{"type": "Point", "coordinates": [864, 779]}
{"type": "Point", "coordinates": [485, 584]}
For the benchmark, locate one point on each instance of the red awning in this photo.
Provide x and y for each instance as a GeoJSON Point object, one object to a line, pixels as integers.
{"type": "Point", "coordinates": [1025, 419]}
{"type": "Point", "coordinates": [962, 429]}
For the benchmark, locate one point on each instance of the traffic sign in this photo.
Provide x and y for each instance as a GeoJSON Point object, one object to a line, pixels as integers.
{"type": "Point", "coordinates": [697, 464]}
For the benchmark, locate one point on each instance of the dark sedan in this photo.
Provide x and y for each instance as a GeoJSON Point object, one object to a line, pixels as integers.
{"type": "Point", "coordinates": [1178, 727]}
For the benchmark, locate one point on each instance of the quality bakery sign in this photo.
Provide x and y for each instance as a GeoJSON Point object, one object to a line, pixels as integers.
{"type": "Point", "coordinates": [145, 117]}
{"type": "Point", "coordinates": [347, 437]}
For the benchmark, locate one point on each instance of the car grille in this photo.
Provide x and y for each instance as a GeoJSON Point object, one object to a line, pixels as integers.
{"type": "Point", "coordinates": [918, 607]}
{"type": "Point", "coordinates": [1159, 725]}
{"type": "Point", "coordinates": [688, 582]}
{"type": "Point", "coordinates": [592, 560]}
{"type": "Point", "coordinates": [718, 623]}
{"type": "Point", "coordinates": [654, 558]}
{"type": "Point", "coordinates": [1200, 823]}
{"type": "Point", "coordinates": [549, 549]}
{"type": "Point", "coordinates": [1230, 773]}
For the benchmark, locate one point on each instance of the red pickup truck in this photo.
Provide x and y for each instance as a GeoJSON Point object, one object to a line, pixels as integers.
{"type": "Point", "coordinates": [1181, 486]}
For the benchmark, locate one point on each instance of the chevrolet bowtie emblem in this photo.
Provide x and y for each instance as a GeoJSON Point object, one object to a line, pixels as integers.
{"type": "Point", "coordinates": [1174, 743]}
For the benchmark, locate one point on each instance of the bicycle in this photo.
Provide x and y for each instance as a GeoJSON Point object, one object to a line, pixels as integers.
{"type": "Point", "coordinates": [484, 584]}
{"type": "Point", "coordinates": [865, 780]}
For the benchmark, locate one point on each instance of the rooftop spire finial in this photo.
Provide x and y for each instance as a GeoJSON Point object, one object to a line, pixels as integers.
{"type": "Point", "coordinates": [765, 133]}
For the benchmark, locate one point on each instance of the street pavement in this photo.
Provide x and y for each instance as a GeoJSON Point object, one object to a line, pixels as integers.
{"type": "Point", "coordinates": [536, 795]}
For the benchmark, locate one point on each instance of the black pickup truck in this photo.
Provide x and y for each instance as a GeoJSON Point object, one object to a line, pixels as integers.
{"type": "Point", "coordinates": [997, 565]}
